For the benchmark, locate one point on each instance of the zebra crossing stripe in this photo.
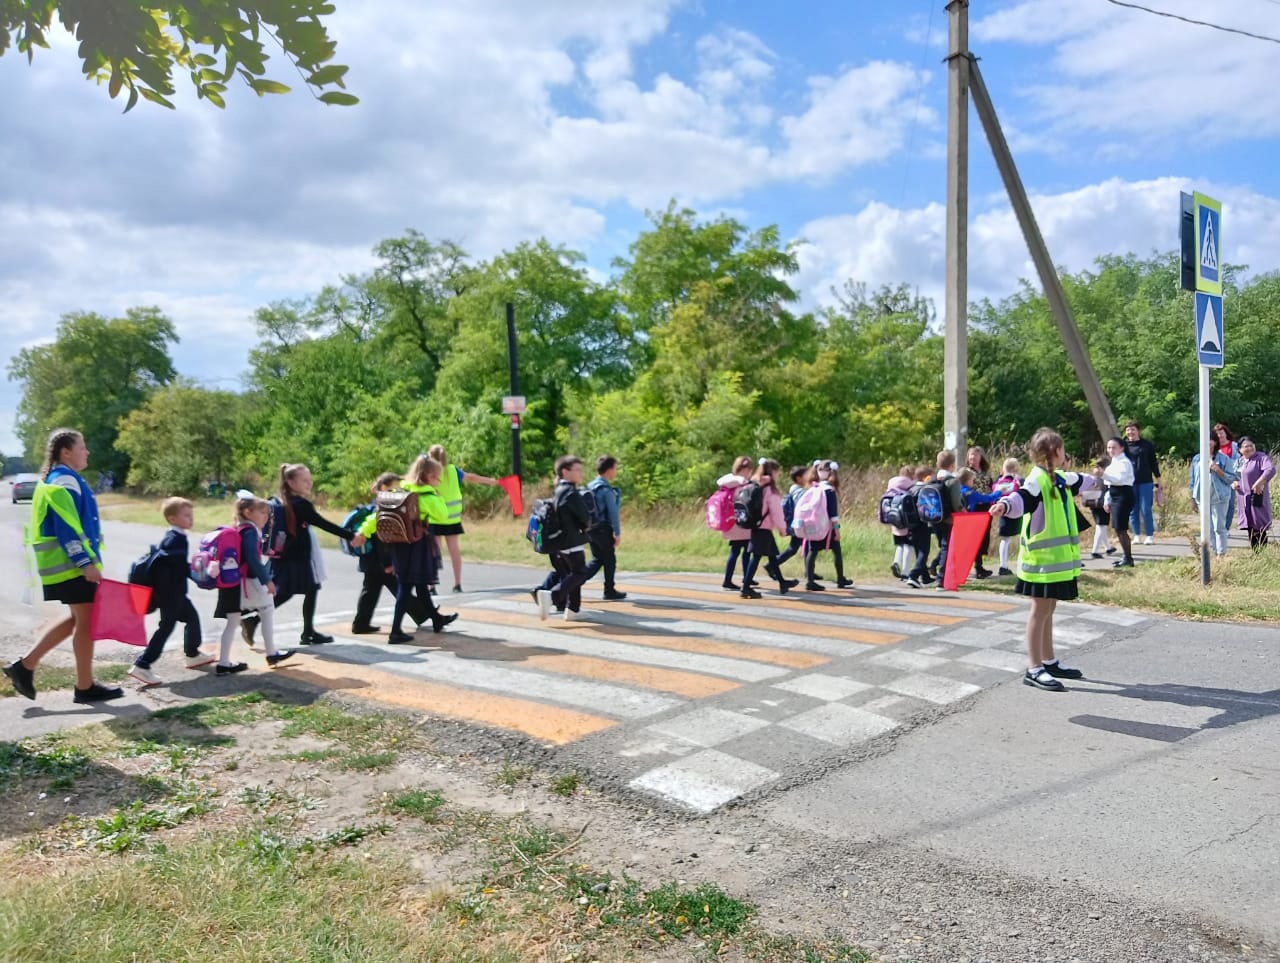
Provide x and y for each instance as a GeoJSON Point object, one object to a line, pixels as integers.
{"type": "Point", "coordinates": [549, 724]}
{"type": "Point", "coordinates": [824, 605]}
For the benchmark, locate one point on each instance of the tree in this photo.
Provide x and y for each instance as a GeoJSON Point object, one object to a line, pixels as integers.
{"type": "Point", "coordinates": [94, 372]}
{"type": "Point", "coordinates": [180, 438]}
{"type": "Point", "coordinates": [135, 45]}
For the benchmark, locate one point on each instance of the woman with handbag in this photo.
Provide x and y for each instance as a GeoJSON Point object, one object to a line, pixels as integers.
{"type": "Point", "coordinates": [1253, 492]}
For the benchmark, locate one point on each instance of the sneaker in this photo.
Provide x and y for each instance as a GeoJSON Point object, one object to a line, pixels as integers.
{"type": "Point", "coordinates": [248, 626]}
{"type": "Point", "coordinates": [457, 588]}
{"type": "Point", "coordinates": [200, 659]}
{"type": "Point", "coordinates": [913, 583]}
{"type": "Point", "coordinates": [1040, 678]}
{"type": "Point", "coordinates": [315, 638]}
{"type": "Point", "coordinates": [613, 595]}
{"type": "Point", "coordinates": [145, 676]}
{"type": "Point", "coordinates": [544, 603]}
{"type": "Point", "coordinates": [1148, 540]}
{"type": "Point", "coordinates": [896, 569]}
{"type": "Point", "coordinates": [365, 629]}
{"type": "Point", "coordinates": [1003, 570]}
{"type": "Point", "coordinates": [97, 693]}
{"type": "Point", "coordinates": [439, 621]}
{"type": "Point", "coordinates": [231, 669]}
{"type": "Point", "coordinates": [275, 660]}
{"type": "Point", "coordinates": [750, 593]}
{"type": "Point", "coordinates": [399, 638]}
{"type": "Point", "coordinates": [844, 583]}
{"type": "Point", "coordinates": [1060, 671]}
{"type": "Point", "coordinates": [815, 587]}
{"type": "Point", "coordinates": [571, 616]}
{"type": "Point", "coordinates": [1123, 563]}
{"type": "Point", "coordinates": [730, 587]}
{"type": "Point", "coordinates": [23, 679]}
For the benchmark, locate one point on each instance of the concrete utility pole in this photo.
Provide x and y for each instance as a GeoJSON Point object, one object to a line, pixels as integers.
{"type": "Point", "coordinates": [1053, 292]}
{"type": "Point", "coordinates": [955, 391]}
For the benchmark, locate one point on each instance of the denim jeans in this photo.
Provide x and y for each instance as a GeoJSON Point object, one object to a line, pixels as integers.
{"type": "Point", "coordinates": [1219, 515]}
{"type": "Point", "coordinates": [1143, 498]}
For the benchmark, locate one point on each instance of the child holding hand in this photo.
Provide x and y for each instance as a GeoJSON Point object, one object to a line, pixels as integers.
{"type": "Point", "coordinates": [254, 595]}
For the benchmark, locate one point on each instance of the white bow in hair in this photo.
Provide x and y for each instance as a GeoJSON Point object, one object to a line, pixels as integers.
{"type": "Point", "coordinates": [245, 493]}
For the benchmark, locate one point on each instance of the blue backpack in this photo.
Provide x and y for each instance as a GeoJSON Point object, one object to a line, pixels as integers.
{"type": "Point", "coordinates": [275, 534]}
{"type": "Point", "coordinates": [355, 518]}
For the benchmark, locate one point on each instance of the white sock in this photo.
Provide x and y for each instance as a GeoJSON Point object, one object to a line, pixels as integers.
{"type": "Point", "coordinates": [1099, 539]}
{"type": "Point", "coordinates": [266, 629]}
{"type": "Point", "coordinates": [1004, 552]}
{"type": "Point", "coordinates": [900, 555]}
{"type": "Point", "coordinates": [228, 636]}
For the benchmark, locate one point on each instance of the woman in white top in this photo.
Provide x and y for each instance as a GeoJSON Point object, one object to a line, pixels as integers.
{"type": "Point", "coordinates": [1118, 477]}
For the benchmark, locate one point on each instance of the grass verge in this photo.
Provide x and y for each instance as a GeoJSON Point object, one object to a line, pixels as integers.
{"type": "Point", "coordinates": [55, 677]}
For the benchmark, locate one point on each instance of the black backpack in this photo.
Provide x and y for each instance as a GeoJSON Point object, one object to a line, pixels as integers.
{"type": "Point", "coordinates": [545, 531]}
{"type": "Point", "coordinates": [748, 506]}
{"type": "Point", "coordinates": [595, 511]}
{"type": "Point", "coordinates": [898, 509]}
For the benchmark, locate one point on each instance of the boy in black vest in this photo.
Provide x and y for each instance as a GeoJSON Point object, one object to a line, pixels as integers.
{"type": "Point", "coordinates": [569, 557]}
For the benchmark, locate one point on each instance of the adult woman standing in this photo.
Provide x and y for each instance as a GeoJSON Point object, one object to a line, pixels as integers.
{"type": "Point", "coordinates": [1227, 445]}
{"type": "Point", "coordinates": [1222, 473]}
{"type": "Point", "coordinates": [66, 537]}
{"type": "Point", "coordinates": [451, 479]}
{"type": "Point", "coordinates": [1253, 491]}
{"type": "Point", "coordinates": [1118, 478]}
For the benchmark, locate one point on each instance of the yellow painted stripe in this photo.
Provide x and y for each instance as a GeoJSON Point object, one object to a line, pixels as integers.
{"type": "Point", "coordinates": [675, 643]}
{"type": "Point", "coordinates": [830, 605]}
{"type": "Point", "coordinates": [535, 719]}
{"type": "Point", "coordinates": [789, 626]}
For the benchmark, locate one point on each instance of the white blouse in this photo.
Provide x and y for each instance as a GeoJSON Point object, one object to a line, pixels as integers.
{"type": "Point", "coordinates": [1119, 472]}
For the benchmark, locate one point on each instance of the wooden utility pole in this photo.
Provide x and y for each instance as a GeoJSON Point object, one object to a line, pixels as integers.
{"type": "Point", "coordinates": [1053, 292]}
{"type": "Point", "coordinates": [955, 398]}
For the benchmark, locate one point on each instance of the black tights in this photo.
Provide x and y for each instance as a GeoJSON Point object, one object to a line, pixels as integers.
{"type": "Point", "coordinates": [811, 551]}
{"type": "Point", "coordinates": [738, 546]}
{"type": "Point", "coordinates": [1257, 538]}
{"type": "Point", "coordinates": [1126, 543]}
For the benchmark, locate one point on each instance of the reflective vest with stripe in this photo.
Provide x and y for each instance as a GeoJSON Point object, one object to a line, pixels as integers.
{"type": "Point", "coordinates": [52, 561]}
{"type": "Point", "coordinates": [431, 506]}
{"type": "Point", "coordinates": [451, 492]}
{"type": "Point", "coordinates": [1051, 554]}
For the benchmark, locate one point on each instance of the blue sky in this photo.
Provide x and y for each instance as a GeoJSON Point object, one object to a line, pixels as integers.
{"type": "Point", "coordinates": [492, 122]}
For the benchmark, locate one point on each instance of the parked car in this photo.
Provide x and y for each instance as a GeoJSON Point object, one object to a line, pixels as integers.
{"type": "Point", "coordinates": [24, 487]}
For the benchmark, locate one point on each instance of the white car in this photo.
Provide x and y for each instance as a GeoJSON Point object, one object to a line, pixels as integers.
{"type": "Point", "coordinates": [23, 487]}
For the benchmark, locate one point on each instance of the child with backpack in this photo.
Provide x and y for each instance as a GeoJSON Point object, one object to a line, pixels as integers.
{"type": "Point", "coordinates": [416, 562]}
{"type": "Point", "coordinates": [375, 562]}
{"type": "Point", "coordinates": [1093, 500]}
{"type": "Point", "coordinates": [936, 499]}
{"type": "Point", "coordinates": [1049, 554]}
{"type": "Point", "coordinates": [739, 538]}
{"type": "Point", "coordinates": [568, 557]}
{"type": "Point", "coordinates": [797, 474]}
{"type": "Point", "coordinates": [764, 516]}
{"type": "Point", "coordinates": [292, 551]}
{"type": "Point", "coordinates": [897, 490]}
{"type": "Point", "coordinates": [167, 574]}
{"type": "Point", "coordinates": [252, 590]}
{"type": "Point", "coordinates": [1008, 483]}
{"type": "Point", "coordinates": [817, 520]}
{"type": "Point", "coordinates": [976, 500]}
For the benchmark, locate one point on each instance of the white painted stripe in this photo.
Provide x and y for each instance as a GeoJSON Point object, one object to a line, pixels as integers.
{"type": "Point", "coordinates": [707, 726]}
{"type": "Point", "coordinates": [631, 652]}
{"type": "Point", "coordinates": [996, 659]}
{"type": "Point", "coordinates": [986, 637]}
{"type": "Point", "coordinates": [805, 642]}
{"type": "Point", "coordinates": [908, 661]}
{"type": "Point", "coordinates": [840, 724]}
{"type": "Point", "coordinates": [704, 781]}
{"type": "Point", "coordinates": [932, 688]}
{"type": "Point", "coordinates": [435, 666]}
{"type": "Point", "coordinates": [819, 685]}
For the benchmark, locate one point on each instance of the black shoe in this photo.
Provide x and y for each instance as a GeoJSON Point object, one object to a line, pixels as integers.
{"type": "Point", "coordinates": [844, 583]}
{"type": "Point", "coordinates": [97, 693]}
{"type": "Point", "coordinates": [814, 587]}
{"type": "Point", "coordinates": [248, 626]}
{"type": "Point", "coordinates": [228, 669]}
{"type": "Point", "coordinates": [982, 573]}
{"type": "Point", "coordinates": [457, 588]}
{"type": "Point", "coordinates": [750, 593]}
{"type": "Point", "coordinates": [1123, 563]}
{"type": "Point", "coordinates": [1096, 555]}
{"type": "Point", "coordinates": [1060, 671]}
{"type": "Point", "coordinates": [790, 582]}
{"type": "Point", "coordinates": [23, 679]}
{"type": "Point", "coordinates": [365, 629]}
{"type": "Point", "coordinates": [399, 638]}
{"type": "Point", "coordinates": [752, 584]}
{"type": "Point", "coordinates": [730, 587]}
{"type": "Point", "coordinates": [275, 660]}
{"type": "Point", "coordinates": [1004, 571]}
{"type": "Point", "coordinates": [1111, 551]}
{"type": "Point", "coordinates": [896, 569]}
{"type": "Point", "coordinates": [1041, 679]}
{"type": "Point", "coordinates": [315, 638]}
{"type": "Point", "coordinates": [438, 622]}
{"type": "Point", "coordinates": [612, 595]}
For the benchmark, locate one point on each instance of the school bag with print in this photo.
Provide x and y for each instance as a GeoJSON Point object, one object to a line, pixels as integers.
{"type": "Point", "coordinates": [811, 519]}
{"type": "Point", "coordinates": [898, 508]}
{"type": "Point", "coordinates": [748, 505]}
{"type": "Point", "coordinates": [720, 516]}
{"type": "Point", "coordinates": [216, 563]}
{"type": "Point", "coordinates": [399, 517]}
{"type": "Point", "coordinates": [355, 518]}
{"type": "Point", "coordinates": [275, 533]}
{"type": "Point", "coordinates": [935, 500]}
{"type": "Point", "coordinates": [544, 531]}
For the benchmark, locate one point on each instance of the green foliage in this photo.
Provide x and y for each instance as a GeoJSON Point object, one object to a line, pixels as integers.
{"type": "Point", "coordinates": [136, 45]}
{"type": "Point", "coordinates": [95, 372]}
{"type": "Point", "coordinates": [180, 438]}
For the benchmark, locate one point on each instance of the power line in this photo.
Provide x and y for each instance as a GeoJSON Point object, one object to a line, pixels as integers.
{"type": "Point", "coordinates": [1198, 23]}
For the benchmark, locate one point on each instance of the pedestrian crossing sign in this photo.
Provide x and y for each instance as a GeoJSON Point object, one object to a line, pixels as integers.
{"type": "Point", "coordinates": [1209, 329]}
{"type": "Point", "coordinates": [1208, 221]}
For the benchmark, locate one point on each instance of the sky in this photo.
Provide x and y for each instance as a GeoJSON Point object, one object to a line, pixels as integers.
{"type": "Point", "coordinates": [489, 123]}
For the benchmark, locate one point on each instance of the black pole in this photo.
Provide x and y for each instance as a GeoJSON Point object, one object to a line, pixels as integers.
{"type": "Point", "coordinates": [515, 386]}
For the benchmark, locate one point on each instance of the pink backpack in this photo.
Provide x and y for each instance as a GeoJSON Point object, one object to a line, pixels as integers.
{"type": "Point", "coordinates": [216, 563]}
{"type": "Point", "coordinates": [811, 521]}
{"type": "Point", "coordinates": [720, 516]}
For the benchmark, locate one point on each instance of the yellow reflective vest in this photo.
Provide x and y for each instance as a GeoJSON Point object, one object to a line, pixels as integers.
{"type": "Point", "coordinates": [53, 563]}
{"type": "Point", "coordinates": [1049, 552]}
{"type": "Point", "coordinates": [451, 492]}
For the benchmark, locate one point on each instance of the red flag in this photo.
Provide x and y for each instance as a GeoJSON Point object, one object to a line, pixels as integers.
{"type": "Point", "coordinates": [511, 485]}
{"type": "Point", "coordinates": [120, 612]}
{"type": "Point", "coordinates": [968, 535]}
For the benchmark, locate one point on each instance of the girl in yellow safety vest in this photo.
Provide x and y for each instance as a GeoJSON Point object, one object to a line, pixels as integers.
{"type": "Point", "coordinates": [451, 479]}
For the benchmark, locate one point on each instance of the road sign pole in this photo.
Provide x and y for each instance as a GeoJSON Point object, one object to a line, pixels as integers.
{"type": "Point", "coordinates": [1206, 477]}
{"type": "Point", "coordinates": [513, 362]}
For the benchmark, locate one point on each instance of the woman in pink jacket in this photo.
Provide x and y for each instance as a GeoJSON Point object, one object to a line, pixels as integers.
{"type": "Point", "coordinates": [772, 519]}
